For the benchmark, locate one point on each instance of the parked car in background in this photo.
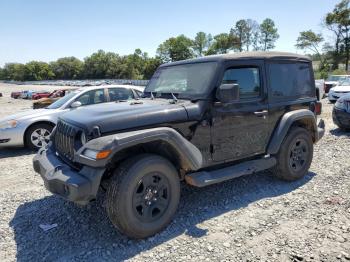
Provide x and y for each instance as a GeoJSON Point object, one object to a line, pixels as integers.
{"type": "Point", "coordinates": [32, 128]}
{"type": "Point", "coordinates": [0, 94]}
{"type": "Point", "coordinates": [320, 87]}
{"type": "Point", "coordinates": [341, 112]}
{"type": "Point", "coordinates": [40, 94]}
{"type": "Point", "coordinates": [26, 94]}
{"type": "Point", "coordinates": [334, 80]}
{"type": "Point", "coordinates": [15, 95]}
{"type": "Point", "coordinates": [339, 90]}
{"type": "Point", "coordinates": [54, 96]}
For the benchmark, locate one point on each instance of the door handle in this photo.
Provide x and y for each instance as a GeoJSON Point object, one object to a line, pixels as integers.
{"type": "Point", "coordinates": [261, 113]}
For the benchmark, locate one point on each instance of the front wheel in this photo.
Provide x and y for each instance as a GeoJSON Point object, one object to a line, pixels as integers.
{"type": "Point", "coordinates": [143, 195]}
{"type": "Point", "coordinates": [38, 136]}
{"type": "Point", "coordinates": [295, 155]}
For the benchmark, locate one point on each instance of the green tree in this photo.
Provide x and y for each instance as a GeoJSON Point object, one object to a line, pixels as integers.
{"type": "Point", "coordinates": [338, 21]}
{"type": "Point", "coordinates": [151, 66]}
{"type": "Point", "coordinates": [175, 49]}
{"type": "Point", "coordinates": [221, 45]}
{"type": "Point", "coordinates": [201, 43]}
{"type": "Point", "coordinates": [101, 65]}
{"type": "Point", "coordinates": [36, 70]}
{"type": "Point", "coordinates": [308, 40]}
{"type": "Point", "coordinates": [268, 34]}
{"type": "Point", "coordinates": [14, 71]}
{"type": "Point", "coordinates": [67, 68]}
{"type": "Point", "coordinates": [239, 34]}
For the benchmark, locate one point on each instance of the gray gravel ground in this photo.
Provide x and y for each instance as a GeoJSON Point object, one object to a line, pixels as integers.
{"type": "Point", "coordinates": [253, 218]}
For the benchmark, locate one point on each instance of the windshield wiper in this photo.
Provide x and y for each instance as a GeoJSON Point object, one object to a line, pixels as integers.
{"type": "Point", "coordinates": [174, 98]}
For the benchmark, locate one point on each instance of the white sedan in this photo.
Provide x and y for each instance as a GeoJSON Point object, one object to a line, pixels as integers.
{"type": "Point", "coordinates": [340, 90]}
{"type": "Point", "coordinates": [32, 128]}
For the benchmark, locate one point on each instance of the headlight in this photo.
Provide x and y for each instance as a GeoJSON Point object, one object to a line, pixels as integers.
{"type": "Point", "coordinates": [340, 104]}
{"type": "Point", "coordinates": [8, 124]}
{"type": "Point", "coordinates": [331, 90]}
{"type": "Point", "coordinates": [94, 154]}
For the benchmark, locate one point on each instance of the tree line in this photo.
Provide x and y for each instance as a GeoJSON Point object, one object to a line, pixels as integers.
{"type": "Point", "coordinates": [245, 35]}
{"type": "Point", "coordinates": [334, 52]}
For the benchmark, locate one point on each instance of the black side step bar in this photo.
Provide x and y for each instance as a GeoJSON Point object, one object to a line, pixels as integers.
{"type": "Point", "coordinates": [205, 178]}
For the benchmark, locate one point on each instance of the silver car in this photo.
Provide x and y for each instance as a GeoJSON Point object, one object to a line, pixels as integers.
{"type": "Point", "coordinates": [32, 128]}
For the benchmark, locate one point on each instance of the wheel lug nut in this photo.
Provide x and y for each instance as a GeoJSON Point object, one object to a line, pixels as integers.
{"type": "Point", "coordinates": [155, 191]}
{"type": "Point", "coordinates": [149, 203]}
{"type": "Point", "coordinates": [155, 199]}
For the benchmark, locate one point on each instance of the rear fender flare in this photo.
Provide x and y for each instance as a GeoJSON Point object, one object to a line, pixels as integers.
{"type": "Point", "coordinates": [288, 120]}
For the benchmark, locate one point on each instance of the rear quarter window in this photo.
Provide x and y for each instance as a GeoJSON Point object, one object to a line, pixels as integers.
{"type": "Point", "coordinates": [290, 80]}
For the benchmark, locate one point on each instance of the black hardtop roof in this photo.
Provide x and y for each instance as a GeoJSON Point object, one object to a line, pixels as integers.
{"type": "Point", "coordinates": [243, 56]}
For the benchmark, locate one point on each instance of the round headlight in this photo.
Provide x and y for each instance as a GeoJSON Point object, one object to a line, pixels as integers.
{"type": "Point", "coordinates": [83, 138]}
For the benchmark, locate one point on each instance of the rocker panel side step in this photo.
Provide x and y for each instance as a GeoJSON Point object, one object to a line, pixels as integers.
{"type": "Point", "coordinates": [205, 178]}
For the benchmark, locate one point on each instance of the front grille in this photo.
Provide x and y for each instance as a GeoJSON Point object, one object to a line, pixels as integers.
{"type": "Point", "coordinates": [65, 136]}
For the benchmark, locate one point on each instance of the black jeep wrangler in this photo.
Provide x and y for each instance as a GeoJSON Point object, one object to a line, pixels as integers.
{"type": "Point", "coordinates": [202, 121]}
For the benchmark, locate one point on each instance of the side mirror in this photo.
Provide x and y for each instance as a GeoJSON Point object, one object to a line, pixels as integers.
{"type": "Point", "coordinates": [75, 104]}
{"type": "Point", "coordinates": [227, 93]}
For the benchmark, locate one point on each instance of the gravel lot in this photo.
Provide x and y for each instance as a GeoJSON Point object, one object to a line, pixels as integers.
{"type": "Point", "coordinates": [247, 219]}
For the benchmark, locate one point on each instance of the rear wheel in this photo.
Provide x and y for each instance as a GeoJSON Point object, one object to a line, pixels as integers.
{"type": "Point", "coordinates": [38, 136]}
{"type": "Point", "coordinates": [295, 155]}
{"type": "Point", "coordinates": [143, 196]}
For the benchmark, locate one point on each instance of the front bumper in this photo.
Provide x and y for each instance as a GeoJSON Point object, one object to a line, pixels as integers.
{"type": "Point", "coordinates": [12, 137]}
{"type": "Point", "coordinates": [341, 118]}
{"type": "Point", "coordinates": [77, 186]}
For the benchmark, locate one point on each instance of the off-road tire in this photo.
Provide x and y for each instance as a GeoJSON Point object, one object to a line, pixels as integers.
{"type": "Point", "coordinates": [30, 130]}
{"type": "Point", "coordinates": [284, 168]}
{"type": "Point", "coordinates": [125, 183]}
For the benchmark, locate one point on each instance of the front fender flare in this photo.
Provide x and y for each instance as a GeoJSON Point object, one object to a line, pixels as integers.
{"type": "Point", "coordinates": [189, 154]}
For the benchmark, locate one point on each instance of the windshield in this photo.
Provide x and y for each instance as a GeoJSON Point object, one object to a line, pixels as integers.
{"type": "Point", "coordinates": [186, 80]}
{"type": "Point", "coordinates": [60, 102]}
{"type": "Point", "coordinates": [345, 83]}
{"type": "Point", "coordinates": [336, 78]}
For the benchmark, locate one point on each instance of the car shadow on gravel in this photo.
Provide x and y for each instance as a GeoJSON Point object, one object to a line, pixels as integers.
{"type": "Point", "coordinates": [85, 233]}
{"type": "Point", "coordinates": [14, 152]}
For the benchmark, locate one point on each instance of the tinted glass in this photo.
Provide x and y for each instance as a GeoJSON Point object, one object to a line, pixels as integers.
{"type": "Point", "coordinates": [186, 79]}
{"type": "Point", "coordinates": [290, 80]}
{"type": "Point", "coordinates": [92, 97]}
{"type": "Point", "coordinates": [118, 93]}
{"type": "Point", "coordinates": [247, 78]}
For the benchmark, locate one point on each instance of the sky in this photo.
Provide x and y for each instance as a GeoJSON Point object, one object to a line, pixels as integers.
{"type": "Point", "coordinates": [46, 30]}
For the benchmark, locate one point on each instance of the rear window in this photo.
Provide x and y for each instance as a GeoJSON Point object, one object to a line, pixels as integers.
{"type": "Point", "coordinates": [290, 80]}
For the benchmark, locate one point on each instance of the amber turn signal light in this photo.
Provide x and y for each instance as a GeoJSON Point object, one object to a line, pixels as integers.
{"type": "Point", "coordinates": [103, 154]}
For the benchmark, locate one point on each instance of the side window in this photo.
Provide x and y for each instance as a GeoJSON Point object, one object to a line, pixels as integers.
{"type": "Point", "coordinates": [247, 78]}
{"type": "Point", "coordinates": [118, 93]}
{"type": "Point", "coordinates": [290, 80]}
{"type": "Point", "coordinates": [92, 97]}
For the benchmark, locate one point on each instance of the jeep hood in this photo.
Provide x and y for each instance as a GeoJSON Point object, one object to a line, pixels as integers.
{"type": "Point", "coordinates": [115, 116]}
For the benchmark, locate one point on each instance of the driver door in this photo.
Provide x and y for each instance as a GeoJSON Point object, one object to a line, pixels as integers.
{"type": "Point", "coordinates": [240, 128]}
